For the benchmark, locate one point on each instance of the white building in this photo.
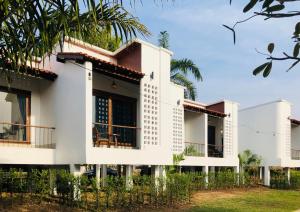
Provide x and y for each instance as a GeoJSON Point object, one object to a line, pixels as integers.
{"type": "Point", "coordinates": [88, 105]}
{"type": "Point", "coordinates": [211, 135]}
{"type": "Point", "coordinates": [269, 131]}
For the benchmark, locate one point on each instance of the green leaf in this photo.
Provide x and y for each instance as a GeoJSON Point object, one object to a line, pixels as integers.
{"type": "Point", "coordinates": [267, 3]}
{"type": "Point", "coordinates": [260, 68]}
{"type": "Point", "coordinates": [250, 5]}
{"type": "Point", "coordinates": [296, 50]}
{"type": "Point", "coordinates": [293, 65]}
{"type": "Point", "coordinates": [297, 29]}
{"type": "Point", "coordinates": [275, 8]}
{"type": "Point", "coordinates": [271, 47]}
{"type": "Point", "coordinates": [268, 69]}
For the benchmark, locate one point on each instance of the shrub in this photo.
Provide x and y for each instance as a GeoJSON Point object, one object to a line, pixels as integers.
{"type": "Point", "coordinates": [295, 179]}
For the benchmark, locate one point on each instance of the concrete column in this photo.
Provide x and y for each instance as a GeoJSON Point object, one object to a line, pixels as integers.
{"type": "Point", "coordinates": [205, 171]}
{"type": "Point", "coordinates": [98, 175]}
{"type": "Point", "coordinates": [288, 173]}
{"type": "Point", "coordinates": [237, 171]}
{"type": "Point", "coordinates": [159, 173]}
{"type": "Point", "coordinates": [129, 181]}
{"type": "Point", "coordinates": [260, 173]}
{"type": "Point", "coordinates": [103, 174]}
{"type": "Point", "coordinates": [155, 171]}
{"type": "Point", "coordinates": [77, 171]}
{"type": "Point", "coordinates": [267, 176]}
{"type": "Point", "coordinates": [212, 169]}
{"type": "Point", "coordinates": [52, 173]}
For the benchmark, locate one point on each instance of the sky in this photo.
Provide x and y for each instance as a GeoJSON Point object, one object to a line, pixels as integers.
{"type": "Point", "coordinates": [196, 32]}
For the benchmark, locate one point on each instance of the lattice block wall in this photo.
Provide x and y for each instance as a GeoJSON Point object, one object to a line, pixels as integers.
{"type": "Point", "coordinates": [151, 114]}
{"type": "Point", "coordinates": [228, 142]}
{"type": "Point", "coordinates": [178, 144]}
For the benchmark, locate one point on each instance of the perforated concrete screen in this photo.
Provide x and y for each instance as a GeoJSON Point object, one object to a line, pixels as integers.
{"type": "Point", "coordinates": [228, 145]}
{"type": "Point", "coordinates": [150, 107]}
{"type": "Point", "coordinates": [177, 130]}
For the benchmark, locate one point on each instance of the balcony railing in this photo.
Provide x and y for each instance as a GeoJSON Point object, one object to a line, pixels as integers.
{"type": "Point", "coordinates": [114, 135]}
{"type": "Point", "coordinates": [12, 134]}
{"type": "Point", "coordinates": [295, 154]}
{"type": "Point", "coordinates": [215, 151]}
{"type": "Point", "coordinates": [194, 149]}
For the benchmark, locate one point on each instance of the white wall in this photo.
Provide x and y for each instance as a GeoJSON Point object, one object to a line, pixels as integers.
{"type": "Point", "coordinates": [195, 125]}
{"type": "Point", "coordinates": [263, 130]}
{"type": "Point", "coordinates": [70, 109]}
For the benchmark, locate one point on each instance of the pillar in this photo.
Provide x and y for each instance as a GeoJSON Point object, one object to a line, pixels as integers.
{"type": "Point", "coordinates": [77, 171]}
{"type": "Point", "coordinates": [267, 176]}
{"type": "Point", "coordinates": [159, 173]}
{"type": "Point", "coordinates": [212, 169]}
{"type": "Point", "coordinates": [236, 170]}
{"type": "Point", "coordinates": [98, 176]}
{"type": "Point", "coordinates": [129, 181]}
{"type": "Point", "coordinates": [260, 173]}
{"type": "Point", "coordinates": [103, 174]}
{"type": "Point", "coordinates": [288, 174]}
{"type": "Point", "coordinates": [52, 173]}
{"type": "Point", "coordinates": [205, 171]}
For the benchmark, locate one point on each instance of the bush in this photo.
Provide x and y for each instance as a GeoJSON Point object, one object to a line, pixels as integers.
{"type": "Point", "coordinates": [295, 179]}
{"type": "Point", "coordinates": [113, 192]}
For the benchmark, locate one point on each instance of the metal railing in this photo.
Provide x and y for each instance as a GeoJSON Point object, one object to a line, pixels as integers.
{"type": "Point", "coordinates": [215, 151]}
{"type": "Point", "coordinates": [13, 134]}
{"type": "Point", "coordinates": [114, 135]}
{"type": "Point", "coordinates": [194, 149]}
{"type": "Point", "coordinates": [295, 154]}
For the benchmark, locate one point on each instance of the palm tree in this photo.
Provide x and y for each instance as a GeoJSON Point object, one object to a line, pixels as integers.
{"type": "Point", "coordinates": [31, 28]}
{"type": "Point", "coordinates": [249, 161]}
{"type": "Point", "coordinates": [181, 68]}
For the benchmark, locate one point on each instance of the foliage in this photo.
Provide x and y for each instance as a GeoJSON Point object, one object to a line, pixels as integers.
{"type": "Point", "coordinates": [249, 161]}
{"type": "Point", "coordinates": [271, 9]}
{"type": "Point", "coordinates": [279, 179]}
{"type": "Point", "coordinates": [295, 179]}
{"type": "Point", "coordinates": [163, 39]}
{"type": "Point", "coordinates": [103, 39]}
{"type": "Point", "coordinates": [192, 151]}
{"type": "Point", "coordinates": [181, 68]}
{"type": "Point", "coordinates": [114, 192]}
{"type": "Point", "coordinates": [31, 29]}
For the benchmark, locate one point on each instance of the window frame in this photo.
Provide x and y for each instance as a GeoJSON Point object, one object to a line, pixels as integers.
{"type": "Point", "coordinates": [27, 95]}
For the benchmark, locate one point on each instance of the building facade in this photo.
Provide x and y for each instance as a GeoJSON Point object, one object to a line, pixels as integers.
{"type": "Point", "coordinates": [269, 131]}
{"type": "Point", "coordinates": [86, 105]}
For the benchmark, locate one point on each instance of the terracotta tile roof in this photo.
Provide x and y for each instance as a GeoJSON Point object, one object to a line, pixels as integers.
{"type": "Point", "coordinates": [102, 66]}
{"type": "Point", "coordinates": [294, 121]}
{"type": "Point", "coordinates": [35, 72]}
{"type": "Point", "coordinates": [188, 106]}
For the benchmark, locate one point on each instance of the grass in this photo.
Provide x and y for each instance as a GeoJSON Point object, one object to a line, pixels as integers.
{"type": "Point", "coordinates": [252, 200]}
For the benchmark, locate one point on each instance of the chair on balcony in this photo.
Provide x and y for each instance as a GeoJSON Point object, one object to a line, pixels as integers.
{"type": "Point", "coordinates": [104, 138]}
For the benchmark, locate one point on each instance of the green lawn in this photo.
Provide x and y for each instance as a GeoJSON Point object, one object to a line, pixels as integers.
{"type": "Point", "coordinates": [264, 200]}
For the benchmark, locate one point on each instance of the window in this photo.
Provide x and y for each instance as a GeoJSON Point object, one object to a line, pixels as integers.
{"type": "Point", "coordinates": [14, 115]}
{"type": "Point", "coordinates": [114, 119]}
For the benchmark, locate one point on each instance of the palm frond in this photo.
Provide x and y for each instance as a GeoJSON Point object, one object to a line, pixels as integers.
{"type": "Point", "coordinates": [186, 66]}
{"type": "Point", "coordinates": [180, 79]}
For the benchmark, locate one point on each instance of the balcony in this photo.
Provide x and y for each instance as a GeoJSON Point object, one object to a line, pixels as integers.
{"type": "Point", "coordinates": [20, 135]}
{"type": "Point", "coordinates": [215, 151]}
{"type": "Point", "coordinates": [194, 149]}
{"type": "Point", "coordinates": [105, 135]}
{"type": "Point", "coordinates": [295, 154]}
